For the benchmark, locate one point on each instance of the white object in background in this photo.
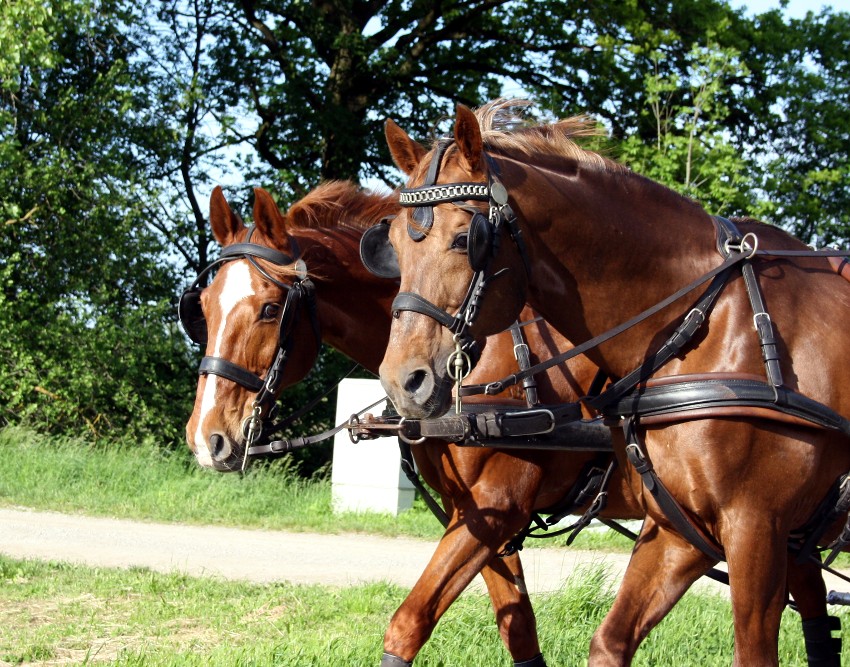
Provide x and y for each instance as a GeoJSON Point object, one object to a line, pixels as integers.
{"type": "Point", "coordinates": [366, 476]}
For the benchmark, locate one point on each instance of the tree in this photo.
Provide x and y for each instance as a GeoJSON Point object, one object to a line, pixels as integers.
{"type": "Point", "coordinates": [693, 152]}
{"type": "Point", "coordinates": [85, 303]}
{"type": "Point", "coordinates": [116, 120]}
{"type": "Point", "coordinates": [806, 174]}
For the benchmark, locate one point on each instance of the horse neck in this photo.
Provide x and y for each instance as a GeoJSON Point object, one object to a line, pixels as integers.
{"type": "Point", "coordinates": [353, 305]}
{"type": "Point", "coordinates": [606, 245]}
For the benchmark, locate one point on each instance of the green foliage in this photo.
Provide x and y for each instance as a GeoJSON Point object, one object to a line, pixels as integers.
{"type": "Point", "coordinates": [86, 340]}
{"type": "Point", "coordinates": [118, 117]}
{"type": "Point", "coordinates": [692, 152]}
{"type": "Point", "coordinates": [135, 479]}
{"type": "Point", "coordinates": [807, 172]}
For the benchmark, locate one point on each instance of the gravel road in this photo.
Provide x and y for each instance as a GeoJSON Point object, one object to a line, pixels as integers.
{"type": "Point", "coordinates": [254, 555]}
{"type": "Point", "coordinates": [264, 556]}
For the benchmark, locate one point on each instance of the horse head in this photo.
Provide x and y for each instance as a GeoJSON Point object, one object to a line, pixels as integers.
{"type": "Point", "coordinates": [462, 277]}
{"type": "Point", "coordinates": [254, 312]}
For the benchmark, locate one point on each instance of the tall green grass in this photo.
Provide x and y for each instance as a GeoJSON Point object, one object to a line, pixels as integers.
{"type": "Point", "coordinates": [55, 613]}
{"type": "Point", "coordinates": [143, 481]}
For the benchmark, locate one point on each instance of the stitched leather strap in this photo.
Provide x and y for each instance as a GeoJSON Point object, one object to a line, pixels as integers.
{"type": "Point", "coordinates": [669, 506]}
{"type": "Point", "coordinates": [227, 369]}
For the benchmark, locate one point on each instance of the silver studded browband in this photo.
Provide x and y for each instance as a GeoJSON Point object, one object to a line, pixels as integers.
{"type": "Point", "coordinates": [438, 194]}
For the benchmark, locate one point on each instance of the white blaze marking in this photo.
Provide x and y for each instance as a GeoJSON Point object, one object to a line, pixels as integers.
{"type": "Point", "coordinates": [237, 286]}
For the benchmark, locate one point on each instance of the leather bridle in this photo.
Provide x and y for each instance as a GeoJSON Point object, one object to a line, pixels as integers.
{"type": "Point", "coordinates": [300, 295]}
{"type": "Point", "coordinates": [482, 244]}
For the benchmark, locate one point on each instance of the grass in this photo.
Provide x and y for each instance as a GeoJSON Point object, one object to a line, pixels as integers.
{"type": "Point", "coordinates": [142, 481]}
{"type": "Point", "coordinates": [54, 614]}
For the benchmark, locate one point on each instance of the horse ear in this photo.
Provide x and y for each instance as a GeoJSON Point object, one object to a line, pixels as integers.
{"type": "Point", "coordinates": [268, 218]}
{"type": "Point", "coordinates": [407, 153]}
{"type": "Point", "coordinates": [468, 138]}
{"type": "Point", "coordinates": [224, 222]}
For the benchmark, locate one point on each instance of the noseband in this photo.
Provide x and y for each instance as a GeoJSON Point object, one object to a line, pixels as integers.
{"type": "Point", "coordinates": [482, 244]}
{"type": "Point", "coordinates": [301, 293]}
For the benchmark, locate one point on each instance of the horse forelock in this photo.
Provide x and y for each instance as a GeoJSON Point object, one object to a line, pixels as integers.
{"type": "Point", "coordinates": [341, 204]}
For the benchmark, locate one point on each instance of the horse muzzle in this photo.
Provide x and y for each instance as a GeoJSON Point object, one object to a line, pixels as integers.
{"type": "Point", "coordinates": [221, 452]}
{"type": "Point", "coordinates": [417, 391]}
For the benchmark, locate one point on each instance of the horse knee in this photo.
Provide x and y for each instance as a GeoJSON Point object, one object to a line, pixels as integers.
{"type": "Point", "coordinates": [607, 650]}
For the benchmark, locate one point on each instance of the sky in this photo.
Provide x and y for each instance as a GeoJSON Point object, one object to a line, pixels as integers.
{"type": "Point", "coordinates": [795, 9]}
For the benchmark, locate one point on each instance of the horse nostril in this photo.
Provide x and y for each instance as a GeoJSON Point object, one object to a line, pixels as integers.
{"type": "Point", "coordinates": [216, 445]}
{"type": "Point", "coordinates": [414, 381]}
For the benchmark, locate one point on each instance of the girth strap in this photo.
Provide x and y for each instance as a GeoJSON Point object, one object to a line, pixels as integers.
{"type": "Point", "coordinates": [669, 506]}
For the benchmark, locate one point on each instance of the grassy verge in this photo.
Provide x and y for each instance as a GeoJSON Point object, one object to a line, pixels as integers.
{"type": "Point", "coordinates": [56, 613]}
{"type": "Point", "coordinates": [147, 483]}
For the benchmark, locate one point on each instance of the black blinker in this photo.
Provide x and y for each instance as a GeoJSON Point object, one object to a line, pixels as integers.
{"type": "Point", "coordinates": [192, 316]}
{"type": "Point", "coordinates": [480, 243]}
{"type": "Point", "coordinates": [376, 252]}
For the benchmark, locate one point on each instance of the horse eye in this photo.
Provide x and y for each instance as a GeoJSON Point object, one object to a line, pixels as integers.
{"type": "Point", "coordinates": [270, 311]}
{"type": "Point", "coordinates": [460, 242]}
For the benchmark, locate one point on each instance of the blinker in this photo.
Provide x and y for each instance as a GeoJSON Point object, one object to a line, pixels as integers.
{"type": "Point", "coordinates": [377, 253]}
{"type": "Point", "coordinates": [480, 246]}
{"type": "Point", "coordinates": [192, 316]}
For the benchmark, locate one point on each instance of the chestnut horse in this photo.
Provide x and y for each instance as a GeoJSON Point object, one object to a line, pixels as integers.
{"type": "Point", "coordinates": [496, 218]}
{"type": "Point", "coordinates": [488, 494]}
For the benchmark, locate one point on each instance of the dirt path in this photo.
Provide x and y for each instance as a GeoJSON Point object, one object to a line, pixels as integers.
{"type": "Point", "coordinates": [254, 555]}
{"type": "Point", "coordinates": [266, 556]}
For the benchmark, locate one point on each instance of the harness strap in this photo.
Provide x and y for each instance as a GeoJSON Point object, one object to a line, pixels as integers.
{"type": "Point", "coordinates": [523, 358]}
{"type": "Point", "coordinates": [409, 469]}
{"type": "Point", "coordinates": [418, 304]}
{"type": "Point", "coordinates": [247, 249]}
{"type": "Point", "coordinates": [671, 347]}
{"type": "Point", "coordinates": [678, 396]}
{"type": "Point", "coordinates": [230, 371]}
{"type": "Point", "coordinates": [286, 445]}
{"type": "Point", "coordinates": [500, 385]}
{"type": "Point", "coordinates": [592, 480]}
{"type": "Point", "coordinates": [763, 325]}
{"type": "Point", "coordinates": [671, 509]}
{"type": "Point", "coordinates": [600, 502]}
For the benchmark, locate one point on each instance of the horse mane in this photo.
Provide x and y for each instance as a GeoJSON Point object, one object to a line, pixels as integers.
{"type": "Point", "coordinates": [341, 204]}
{"type": "Point", "coordinates": [504, 129]}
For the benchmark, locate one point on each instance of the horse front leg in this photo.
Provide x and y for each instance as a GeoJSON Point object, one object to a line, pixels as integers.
{"type": "Point", "coordinates": [758, 559]}
{"type": "Point", "coordinates": [458, 558]}
{"type": "Point", "coordinates": [514, 614]}
{"type": "Point", "coordinates": [662, 567]}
